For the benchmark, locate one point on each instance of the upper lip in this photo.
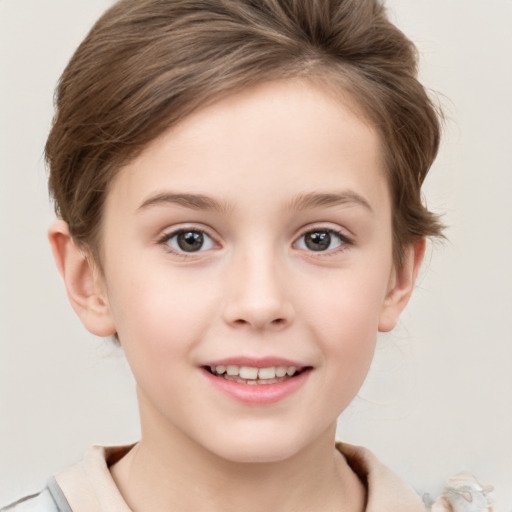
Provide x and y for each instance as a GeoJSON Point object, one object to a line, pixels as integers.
{"type": "Point", "coordinates": [260, 362]}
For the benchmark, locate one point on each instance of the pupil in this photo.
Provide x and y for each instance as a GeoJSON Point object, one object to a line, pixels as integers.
{"type": "Point", "coordinates": [190, 241]}
{"type": "Point", "coordinates": [318, 241]}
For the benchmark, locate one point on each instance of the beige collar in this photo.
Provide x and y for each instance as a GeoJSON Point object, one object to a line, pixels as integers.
{"type": "Point", "coordinates": [89, 487]}
{"type": "Point", "coordinates": [387, 492]}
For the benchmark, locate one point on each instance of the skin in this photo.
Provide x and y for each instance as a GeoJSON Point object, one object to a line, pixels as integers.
{"type": "Point", "coordinates": [255, 289]}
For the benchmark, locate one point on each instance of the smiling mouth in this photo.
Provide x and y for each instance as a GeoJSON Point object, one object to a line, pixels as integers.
{"type": "Point", "coordinates": [252, 375]}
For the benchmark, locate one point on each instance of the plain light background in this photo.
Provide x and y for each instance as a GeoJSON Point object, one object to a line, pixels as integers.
{"type": "Point", "coordinates": [439, 397]}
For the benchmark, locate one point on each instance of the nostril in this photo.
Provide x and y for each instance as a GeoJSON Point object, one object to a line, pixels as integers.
{"type": "Point", "coordinates": [258, 314]}
{"type": "Point", "coordinates": [277, 322]}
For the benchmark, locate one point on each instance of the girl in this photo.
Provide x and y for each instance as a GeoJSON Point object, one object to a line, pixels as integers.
{"type": "Point", "coordinates": [238, 186]}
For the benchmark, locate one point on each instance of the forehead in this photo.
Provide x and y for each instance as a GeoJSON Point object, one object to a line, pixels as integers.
{"type": "Point", "coordinates": [287, 137]}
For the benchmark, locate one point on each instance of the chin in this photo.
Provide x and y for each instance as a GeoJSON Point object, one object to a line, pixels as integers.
{"type": "Point", "coordinates": [259, 448]}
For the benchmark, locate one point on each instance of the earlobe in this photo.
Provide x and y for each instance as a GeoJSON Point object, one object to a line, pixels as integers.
{"type": "Point", "coordinates": [83, 281]}
{"type": "Point", "coordinates": [401, 286]}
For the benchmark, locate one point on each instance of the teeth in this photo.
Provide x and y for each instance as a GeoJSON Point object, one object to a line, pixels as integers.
{"type": "Point", "coordinates": [246, 372]}
{"type": "Point", "coordinates": [232, 370]}
{"type": "Point", "coordinates": [281, 371]}
{"type": "Point", "coordinates": [253, 374]}
{"type": "Point", "coordinates": [291, 370]}
{"type": "Point", "coordinates": [267, 373]}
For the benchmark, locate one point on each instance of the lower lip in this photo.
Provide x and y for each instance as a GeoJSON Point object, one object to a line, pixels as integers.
{"type": "Point", "coordinates": [260, 394]}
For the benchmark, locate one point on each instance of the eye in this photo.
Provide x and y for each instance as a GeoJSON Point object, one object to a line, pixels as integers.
{"type": "Point", "coordinates": [321, 240]}
{"type": "Point", "coordinates": [189, 240]}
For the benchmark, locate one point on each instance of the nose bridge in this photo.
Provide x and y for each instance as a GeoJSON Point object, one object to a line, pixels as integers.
{"type": "Point", "coordinates": [257, 294]}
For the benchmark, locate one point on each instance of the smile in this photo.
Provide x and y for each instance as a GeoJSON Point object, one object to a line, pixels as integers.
{"type": "Point", "coordinates": [256, 381]}
{"type": "Point", "coordinates": [253, 375]}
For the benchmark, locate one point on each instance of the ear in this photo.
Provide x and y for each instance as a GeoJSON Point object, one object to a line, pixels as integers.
{"type": "Point", "coordinates": [83, 280]}
{"type": "Point", "coordinates": [401, 286]}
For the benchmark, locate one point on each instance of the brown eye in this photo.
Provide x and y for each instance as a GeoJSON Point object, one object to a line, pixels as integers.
{"type": "Point", "coordinates": [318, 241]}
{"type": "Point", "coordinates": [190, 240]}
{"type": "Point", "coordinates": [321, 240]}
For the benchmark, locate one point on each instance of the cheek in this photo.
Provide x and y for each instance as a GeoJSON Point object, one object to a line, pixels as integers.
{"type": "Point", "coordinates": [160, 314]}
{"type": "Point", "coordinates": [160, 321]}
{"type": "Point", "coordinates": [346, 317]}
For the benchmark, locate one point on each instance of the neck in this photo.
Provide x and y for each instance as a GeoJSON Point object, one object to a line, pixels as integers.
{"type": "Point", "coordinates": [169, 471]}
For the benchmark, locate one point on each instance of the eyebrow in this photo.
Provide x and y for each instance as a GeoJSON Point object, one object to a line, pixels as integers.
{"type": "Point", "coordinates": [193, 201]}
{"type": "Point", "coordinates": [312, 200]}
{"type": "Point", "coordinates": [304, 201]}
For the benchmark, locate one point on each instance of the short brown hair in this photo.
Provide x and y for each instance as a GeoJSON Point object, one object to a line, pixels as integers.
{"type": "Point", "coordinates": [146, 64]}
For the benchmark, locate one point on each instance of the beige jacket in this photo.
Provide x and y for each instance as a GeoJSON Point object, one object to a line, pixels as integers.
{"type": "Point", "coordinates": [89, 487]}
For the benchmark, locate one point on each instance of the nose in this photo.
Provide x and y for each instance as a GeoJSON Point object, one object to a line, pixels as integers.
{"type": "Point", "coordinates": [257, 295]}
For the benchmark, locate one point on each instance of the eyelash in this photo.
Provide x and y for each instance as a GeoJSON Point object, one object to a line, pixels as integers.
{"type": "Point", "coordinates": [165, 239]}
{"type": "Point", "coordinates": [344, 241]}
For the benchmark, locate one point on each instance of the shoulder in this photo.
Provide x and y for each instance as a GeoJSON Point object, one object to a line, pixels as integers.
{"type": "Point", "coordinates": [387, 492]}
{"type": "Point", "coordinates": [50, 499]}
{"type": "Point", "coordinates": [42, 502]}
{"type": "Point", "coordinates": [85, 487]}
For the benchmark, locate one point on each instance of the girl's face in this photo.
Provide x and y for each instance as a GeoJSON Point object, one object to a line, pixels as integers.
{"type": "Point", "coordinates": [253, 239]}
